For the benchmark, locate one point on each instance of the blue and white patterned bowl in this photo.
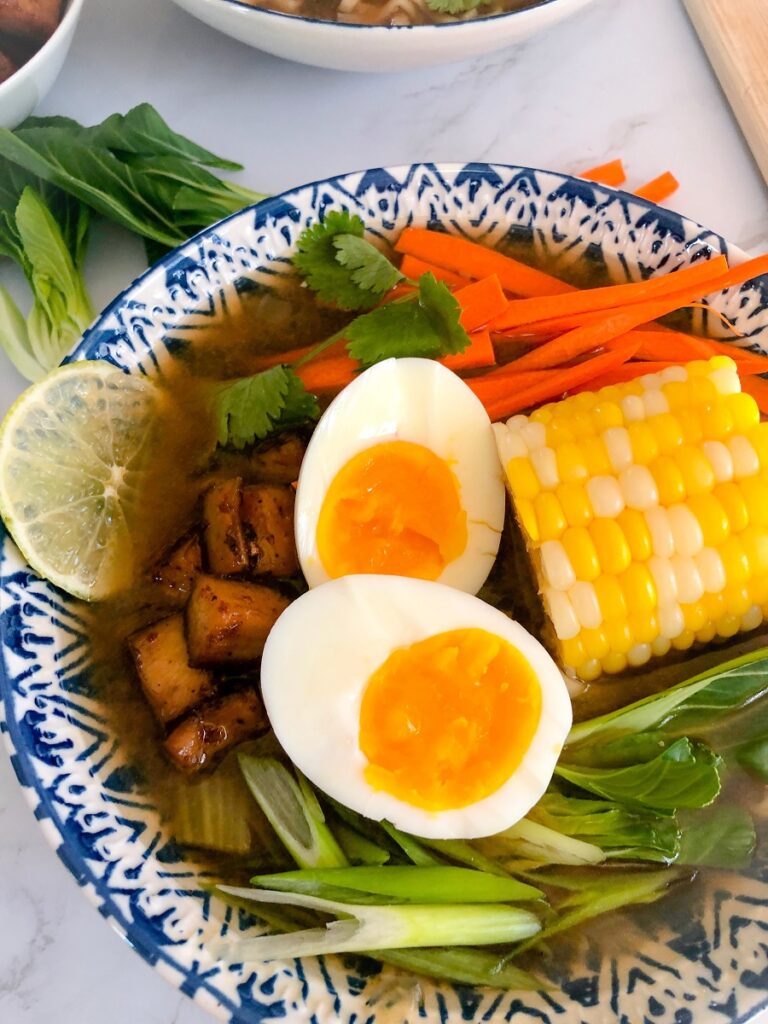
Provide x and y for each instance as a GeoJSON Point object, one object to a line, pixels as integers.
{"type": "Point", "coordinates": [706, 964]}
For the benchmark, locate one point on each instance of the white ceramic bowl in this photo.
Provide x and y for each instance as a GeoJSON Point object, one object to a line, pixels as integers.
{"type": "Point", "coordinates": [341, 47]}
{"type": "Point", "coordinates": [22, 92]}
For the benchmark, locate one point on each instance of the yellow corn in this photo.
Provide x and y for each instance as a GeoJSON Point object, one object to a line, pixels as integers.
{"type": "Point", "coordinates": [645, 507]}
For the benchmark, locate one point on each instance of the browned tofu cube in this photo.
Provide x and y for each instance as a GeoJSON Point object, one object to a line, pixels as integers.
{"type": "Point", "coordinates": [280, 463]}
{"type": "Point", "coordinates": [229, 620]}
{"type": "Point", "coordinates": [213, 728]}
{"type": "Point", "coordinates": [34, 19]}
{"type": "Point", "coordinates": [224, 541]}
{"type": "Point", "coordinates": [169, 682]}
{"type": "Point", "coordinates": [8, 67]}
{"type": "Point", "coordinates": [176, 572]}
{"type": "Point", "coordinates": [267, 515]}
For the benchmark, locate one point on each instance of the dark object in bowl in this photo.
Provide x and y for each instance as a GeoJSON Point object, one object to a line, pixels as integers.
{"type": "Point", "coordinates": [8, 66]}
{"type": "Point", "coordinates": [31, 19]}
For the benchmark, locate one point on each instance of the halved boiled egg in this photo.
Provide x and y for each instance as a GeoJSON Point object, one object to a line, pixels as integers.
{"type": "Point", "coordinates": [401, 477]}
{"type": "Point", "coordinates": [415, 703]}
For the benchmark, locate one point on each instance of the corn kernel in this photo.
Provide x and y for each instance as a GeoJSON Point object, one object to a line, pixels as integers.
{"type": "Point", "coordinates": [684, 640]}
{"type": "Point", "coordinates": [701, 389]}
{"type": "Point", "coordinates": [572, 651]}
{"type": "Point", "coordinates": [611, 393]}
{"type": "Point", "coordinates": [576, 506]}
{"type": "Point", "coordinates": [638, 588]}
{"type": "Point", "coordinates": [711, 569]}
{"type": "Point", "coordinates": [556, 565]}
{"type": "Point", "coordinates": [584, 601]}
{"type": "Point", "coordinates": [581, 553]}
{"type": "Point", "coordinates": [751, 618]}
{"type": "Point", "coordinates": [660, 529]}
{"type": "Point", "coordinates": [638, 487]}
{"type": "Point", "coordinates": [589, 670]}
{"type": "Point", "coordinates": [759, 439]}
{"type": "Point", "coordinates": [595, 456]}
{"type": "Point", "coordinates": [728, 625]}
{"type": "Point", "coordinates": [711, 517]}
{"type": "Point", "coordinates": [754, 492]}
{"type": "Point", "coordinates": [687, 535]}
{"type": "Point", "coordinates": [721, 363]}
{"type": "Point", "coordinates": [606, 414]}
{"type": "Point", "coordinates": [527, 518]}
{"type": "Point", "coordinates": [522, 479]}
{"type": "Point", "coordinates": [664, 579]}
{"type": "Point", "coordinates": [714, 605]}
{"type": "Point", "coordinates": [558, 431]}
{"type": "Point", "coordinates": [645, 447]}
{"type": "Point", "coordinates": [694, 616]}
{"type": "Point", "coordinates": [673, 373]}
{"type": "Point", "coordinates": [632, 408]}
{"type": "Point", "coordinates": [614, 663]}
{"type": "Point", "coordinates": [735, 561]}
{"type": "Point", "coordinates": [737, 600]}
{"type": "Point", "coordinates": [661, 646]}
{"type": "Point", "coordinates": [618, 635]}
{"type": "Point", "coordinates": [743, 408]}
{"type": "Point", "coordinates": [545, 467]}
{"type": "Point", "coordinates": [610, 597]}
{"type": "Point", "coordinates": [595, 643]}
{"type": "Point", "coordinates": [571, 467]}
{"type": "Point", "coordinates": [644, 628]}
{"type": "Point", "coordinates": [654, 401]}
{"type": "Point", "coordinates": [687, 579]}
{"type": "Point", "coordinates": [549, 516]}
{"type": "Point", "coordinates": [667, 432]}
{"type": "Point", "coordinates": [758, 589]}
{"type": "Point", "coordinates": [690, 426]}
{"type": "Point", "coordinates": [716, 422]}
{"type": "Point", "coordinates": [706, 633]}
{"type": "Point", "coordinates": [611, 545]}
{"type": "Point", "coordinates": [669, 480]}
{"type": "Point", "coordinates": [533, 433]}
{"type": "Point", "coordinates": [745, 460]}
{"type": "Point", "coordinates": [561, 613]}
{"type": "Point", "coordinates": [726, 379]}
{"type": "Point", "coordinates": [732, 497]}
{"type": "Point", "coordinates": [698, 476]}
{"type": "Point", "coordinates": [636, 532]}
{"type": "Point", "coordinates": [755, 541]}
{"type": "Point", "coordinates": [543, 414]}
{"type": "Point", "coordinates": [671, 622]}
{"type": "Point", "coordinates": [581, 421]}
{"type": "Point", "coordinates": [619, 448]}
{"type": "Point", "coordinates": [719, 459]}
{"type": "Point", "coordinates": [639, 654]}
{"type": "Point", "coordinates": [677, 393]}
{"type": "Point", "coordinates": [605, 496]}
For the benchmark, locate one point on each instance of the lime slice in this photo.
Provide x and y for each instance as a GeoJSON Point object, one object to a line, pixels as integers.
{"type": "Point", "coordinates": [72, 452]}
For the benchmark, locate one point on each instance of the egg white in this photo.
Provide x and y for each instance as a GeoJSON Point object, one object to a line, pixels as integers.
{"type": "Point", "coordinates": [420, 401]}
{"type": "Point", "coordinates": [316, 665]}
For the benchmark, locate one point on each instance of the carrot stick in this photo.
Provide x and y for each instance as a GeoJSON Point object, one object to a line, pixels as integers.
{"type": "Point", "coordinates": [662, 346]}
{"type": "Point", "coordinates": [327, 374]}
{"type": "Point", "coordinates": [478, 354]}
{"type": "Point", "coordinates": [689, 279]}
{"type": "Point", "coordinates": [497, 388]}
{"type": "Point", "coordinates": [611, 173]}
{"type": "Point", "coordinates": [758, 388]}
{"type": "Point", "coordinates": [413, 267]}
{"type": "Point", "coordinates": [480, 302]}
{"type": "Point", "coordinates": [557, 382]}
{"type": "Point", "coordinates": [475, 260]}
{"type": "Point", "coordinates": [401, 289]}
{"type": "Point", "coordinates": [658, 189]}
{"type": "Point", "coordinates": [259, 363]}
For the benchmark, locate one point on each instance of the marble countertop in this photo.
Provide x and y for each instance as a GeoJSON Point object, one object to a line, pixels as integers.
{"type": "Point", "coordinates": [622, 78]}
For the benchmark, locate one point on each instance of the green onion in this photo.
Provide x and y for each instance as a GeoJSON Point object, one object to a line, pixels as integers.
{"type": "Point", "coordinates": [530, 840]}
{"type": "Point", "coordinates": [357, 849]}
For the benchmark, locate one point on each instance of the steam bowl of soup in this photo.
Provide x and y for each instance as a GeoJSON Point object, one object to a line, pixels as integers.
{"type": "Point", "coordinates": [380, 35]}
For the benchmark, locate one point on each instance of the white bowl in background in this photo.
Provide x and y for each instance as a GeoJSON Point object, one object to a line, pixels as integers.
{"type": "Point", "coordinates": [330, 44]}
{"type": "Point", "coordinates": [21, 93]}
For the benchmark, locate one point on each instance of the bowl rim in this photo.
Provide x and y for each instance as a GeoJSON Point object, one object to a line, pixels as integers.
{"type": "Point", "coordinates": [38, 59]}
{"type": "Point", "coordinates": [419, 29]}
{"type": "Point", "coordinates": [37, 797]}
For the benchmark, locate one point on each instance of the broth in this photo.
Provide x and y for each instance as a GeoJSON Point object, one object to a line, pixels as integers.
{"type": "Point", "coordinates": [387, 12]}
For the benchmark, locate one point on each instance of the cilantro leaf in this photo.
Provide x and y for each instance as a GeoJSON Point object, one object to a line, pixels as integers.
{"type": "Point", "coordinates": [426, 326]}
{"type": "Point", "coordinates": [339, 265]}
{"type": "Point", "coordinates": [454, 7]}
{"type": "Point", "coordinates": [252, 408]}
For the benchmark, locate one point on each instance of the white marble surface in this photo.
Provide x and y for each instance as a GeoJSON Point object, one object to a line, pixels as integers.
{"type": "Point", "coordinates": [626, 78]}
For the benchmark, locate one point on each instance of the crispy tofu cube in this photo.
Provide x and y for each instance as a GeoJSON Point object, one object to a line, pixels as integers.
{"type": "Point", "coordinates": [34, 19]}
{"type": "Point", "coordinates": [8, 66]}
{"type": "Point", "coordinates": [224, 540]}
{"type": "Point", "coordinates": [169, 682]}
{"type": "Point", "coordinates": [176, 572]}
{"type": "Point", "coordinates": [267, 515]}
{"type": "Point", "coordinates": [280, 463]}
{"type": "Point", "coordinates": [212, 729]}
{"type": "Point", "coordinates": [229, 620]}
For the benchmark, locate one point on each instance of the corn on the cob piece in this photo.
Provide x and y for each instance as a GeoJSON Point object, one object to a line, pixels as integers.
{"type": "Point", "coordinates": [644, 508]}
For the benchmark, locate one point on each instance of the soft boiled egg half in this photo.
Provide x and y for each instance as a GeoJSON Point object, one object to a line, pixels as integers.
{"type": "Point", "coordinates": [415, 703]}
{"type": "Point", "coordinates": [401, 477]}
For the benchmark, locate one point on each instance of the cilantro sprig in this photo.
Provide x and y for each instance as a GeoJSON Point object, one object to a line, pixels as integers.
{"type": "Point", "coordinates": [252, 408]}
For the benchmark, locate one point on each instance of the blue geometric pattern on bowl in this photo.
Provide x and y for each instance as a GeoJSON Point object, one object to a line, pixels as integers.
{"type": "Point", "coordinates": [707, 963]}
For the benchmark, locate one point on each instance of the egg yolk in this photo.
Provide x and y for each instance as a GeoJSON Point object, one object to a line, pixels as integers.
{"type": "Point", "coordinates": [394, 508]}
{"type": "Point", "coordinates": [446, 721]}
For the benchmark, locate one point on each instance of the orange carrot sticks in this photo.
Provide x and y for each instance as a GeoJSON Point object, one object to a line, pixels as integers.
{"type": "Point", "coordinates": [477, 355]}
{"type": "Point", "coordinates": [480, 302]}
{"type": "Point", "coordinates": [662, 346]}
{"type": "Point", "coordinates": [758, 388]}
{"type": "Point", "coordinates": [611, 173]}
{"type": "Point", "coordinates": [659, 189]}
{"type": "Point", "coordinates": [473, 260]}
{"type": "Point", "coordinates": [327, 374]}
{"type": "Point", "coordinates": [413, 267]}
{"type": "Point", "coordinates": [558, 381]}
{"type": "Point", "coordinates": [693, 280]}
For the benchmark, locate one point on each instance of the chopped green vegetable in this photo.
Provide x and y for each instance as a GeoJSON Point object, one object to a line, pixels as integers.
{"type": "Point", "coordinates": [753, 757]}
{"type": "Point", "coordinates": [293, 811]}
{"type": "Point", "coordinates": [341, 266]}
{"type": "Point", "coordinates": [464, 853]}
{"type": "Point", "coordinates": [455, 7]}
{"type": "Point", "coordinates": [426, 325]}
{"type": "Point", "coordinates": [251, 408]}
{"type": "Point", "coordinates": [363, 927]}
{"type": "Point", "coordinates": [465, 966]}
{"type": "Point", "coordinates": [442, 884]}
{"type": "Point", "coordinates": [722, 836]}
{"type": "Point", "coordinates": [686, 774]}
{"type": "Point", "coordinates": [531, 841]}
{"type": "Point", "coordinates": [357, 849]}
{"type": "Point", "coordinates": [410, 846]}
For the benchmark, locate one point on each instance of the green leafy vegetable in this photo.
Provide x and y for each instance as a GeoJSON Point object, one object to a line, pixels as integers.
{"type": "Point", "coordinates": [684, 775]}
{"type": "Point", "coordinates": [293, 811]}
{"type": "Point", "coordinates": [411, 847]}
{"type": "Point", "coordinates": [341, 266]}
{"type": "Point", "coordinates": [455, 7]}
{"type": "Point", "coordinates": [722, 836]}
{"type": "Point", "coordinates": [357, 849]}
{"type": "Point", "coordinates": [251, 408]}
{"type": "Point", "coordinates": [753, 757]}
{"type": "Point", "coordinates": [426, 325]}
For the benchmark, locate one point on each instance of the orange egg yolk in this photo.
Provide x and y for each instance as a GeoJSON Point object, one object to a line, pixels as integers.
{"type": "Point", "coordinates": [394, 508]}
{"type": "Point", "coordinates": [446, 721]}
